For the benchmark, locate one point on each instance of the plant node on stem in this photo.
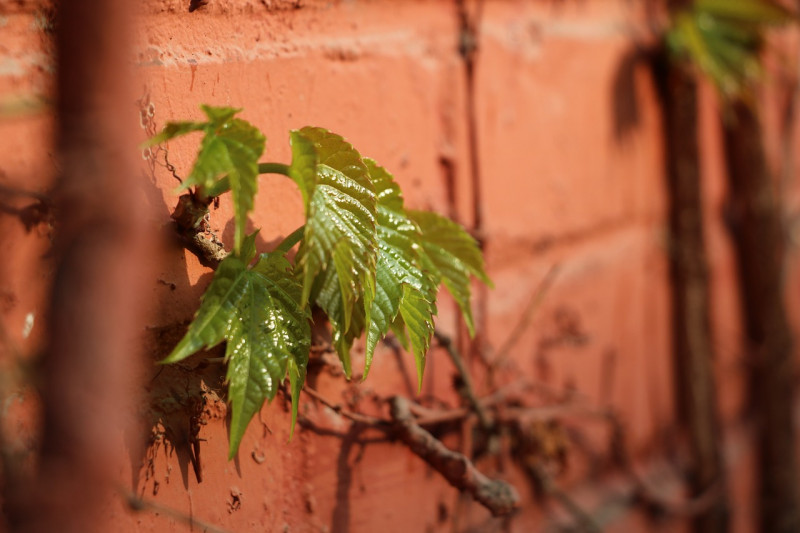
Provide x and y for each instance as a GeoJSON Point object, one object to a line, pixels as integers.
{"type": "Point", "coordinates": [191, 217]}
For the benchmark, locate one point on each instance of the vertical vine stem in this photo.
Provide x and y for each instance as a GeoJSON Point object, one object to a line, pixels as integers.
{"type": "Point", "coordinates": [693, 348]}
{"type": "Point", "coordinates": [498, 496]}
{"type": "Point", "coordinates": [469, 389]}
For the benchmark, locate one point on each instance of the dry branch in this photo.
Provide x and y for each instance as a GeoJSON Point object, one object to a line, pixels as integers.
{"type": "Point", "coordinates": [524, 323]}
{"type": "Point", "coordinates": [350, 415]}
{"type": "Point", "coordinates": [496, 495]}
{"type": "Point", "coordinates": [582, 517]}
{"type": "Point", "coordinates": [469, 389]}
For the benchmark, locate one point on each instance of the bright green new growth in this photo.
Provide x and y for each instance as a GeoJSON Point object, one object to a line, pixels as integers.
{"type": "Point", "coordinates": [401, 285]}
{"type": "Point", "coordinates": [723, 38]}
{"type": "Point", "coordinates": [369, 264]}
{"type": "Point", "coordinates": [227, 160]}
{"type": "Point", "coordinates": [339, 251]}
{"type": "Point", "coordinates": [257, 311]}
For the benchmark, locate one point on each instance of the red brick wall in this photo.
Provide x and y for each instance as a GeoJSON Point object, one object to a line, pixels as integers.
{"type": "Point", "coordinates": [557, 187]}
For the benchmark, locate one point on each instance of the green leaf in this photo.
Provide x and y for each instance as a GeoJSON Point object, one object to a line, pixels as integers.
{"type": "Point", "coordinates": [688, 39]}
{"type": "Point", "coordinates": [218, 188]}
{"type": "Point", "coordinates": [248, 251]}
{"type": "Point", "coordinates": [386, 189]}
{"type": "Point", "coordinates": [400, 284]}
{"type": "Point", "coordinates": [329, 297]}
{"type": "Point", "coordinates": [340, 231]}
{"type": "Point", "coordinates": [398, 327]}
{"type": "Point", "coordinates": [219, 115]}
{"type": "Point", "coordinates": [227, 160]}
{"type": "Point", "coordinates": [275, 267]}
{"type": "Point", "coordinates": [723, 38]}
{"type": "Point", "coordinates": [172, 130]}
{"type": "Point", "coordinates": [290, 240]}
{"type": "Point", "coordinates": [303, 169]}
{"type": "Point", "coordinates": [257, 312]}
{"type": "Point", "coordinates": [341, 214]}
{"type": "Point", "coordinates": [417, 312]}
{"type": "Point", "coordinates": [297, 376]}
{"type": "Point", "coordinates": [382, 305]}
{"type": "Point", "coordinates": [734, 52]}
{"type": "Point", "coordinates": [240, 146]}
{"type": "Point", "coordinates": [746, 11]}
{"type": "Point", "coordinates": [450, 254]}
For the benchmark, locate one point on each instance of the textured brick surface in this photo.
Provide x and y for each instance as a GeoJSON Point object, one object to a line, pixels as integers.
{"type": "Point", "coordinates": [559, 186]}
{"type": "Point", "coordinates": [551, 164]}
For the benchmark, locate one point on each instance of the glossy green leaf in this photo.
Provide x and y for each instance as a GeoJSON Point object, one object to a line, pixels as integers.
{"type": "Point", "coordinates": [340, 230]}
{"type": "Point", "coordinates": [341, 215]}
{"type": "Point", "coordinates": [257, 311]}
{"type": "Point", "coordinates": [382, 304]}
{"type": "Point", "coordinates": [329, 297]}
{"type": "Point", "coordinates": [398, 327]}
{"type": "Point", "coordinates": [398, 273]}
{"type": "Point", "coordinates": [297, 338]}
{"type": "Point", "coordinates": [238, 145]}
{"type": "Point", "coordinates": [227, 160]}
{"type": "Point", "coordinates": [417, 311]}
{"type": "Point", "coordinates": [386, 189]}
{"type": "Point", "coordinates": [451, 255]}
{"type": "Point", "coordinates": [303, 169]}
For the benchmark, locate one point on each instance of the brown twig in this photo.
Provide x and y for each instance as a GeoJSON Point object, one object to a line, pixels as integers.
{"type": "Point", "coordinates": [350, 415]}
{"type": "Point", "coordinates": [550, 412]}
{"type": "Point", "coordinates": [496, 495]}
{"type": "Point", "coordinates": [392, 343]}
{"type": "Point", "coordinates": [688, 507]}
{"type": "Point", "coordinates": [527, 315]}
{"type": "Point", "coordinates": [430, 417]}
{"type": "Point", "coordinates": [552, 489]}
{"type": "Point", "coordinates": [468, 390]}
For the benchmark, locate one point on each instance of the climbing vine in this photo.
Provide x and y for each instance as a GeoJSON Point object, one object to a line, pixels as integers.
{"type": "Point", "coordinates": [369, 263]}
{"type": "Point", "coordinates": [723, 39]}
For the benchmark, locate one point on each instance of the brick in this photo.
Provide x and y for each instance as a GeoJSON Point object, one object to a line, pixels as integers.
{"type": "Point", "coordinates": [602, 329]}
{"type": "Point", "coordinates": [550, 162]}
{"type": "Point", "coordinates": [557, 188]}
